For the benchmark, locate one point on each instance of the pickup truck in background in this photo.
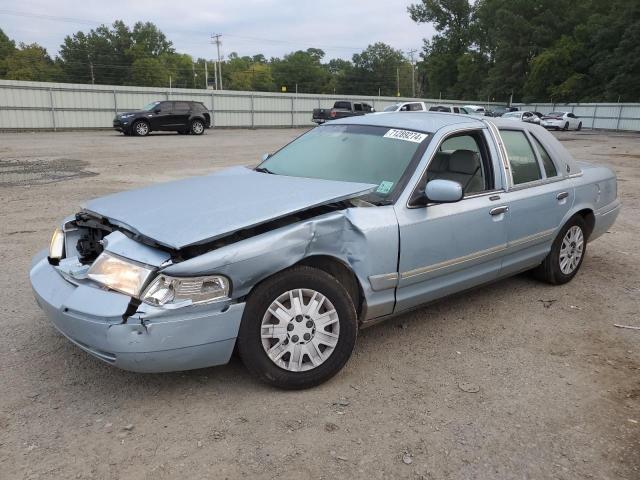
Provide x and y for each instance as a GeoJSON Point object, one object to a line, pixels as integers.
{"type": "Point", "coordinates": [341, 109]}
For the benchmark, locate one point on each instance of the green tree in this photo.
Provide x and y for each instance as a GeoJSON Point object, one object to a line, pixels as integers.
{"type": "Point", "coordinates": [31, 62]}
{"type": "Point", "coordinates": [302, 69]}
{"type": "Point", "coordinates": [7, 48]}
{"type": "Point", "coordinates": [376, 70]}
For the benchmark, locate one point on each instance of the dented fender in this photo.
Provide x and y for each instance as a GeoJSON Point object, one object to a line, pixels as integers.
{"type": "Point", "coordinates": [364, 239]}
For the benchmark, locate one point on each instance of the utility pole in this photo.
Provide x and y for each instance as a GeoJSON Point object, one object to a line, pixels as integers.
{"type": "Point", "coordinates": [397, 81]}
{"type": "Point", "coordinates": [206, 75]}
{"type": "Point", "coordinates": [215, 39]}
{"type": "Point", "coordinates": [93, 78]}
{"type": "Point", "coordinates": [413, 71]}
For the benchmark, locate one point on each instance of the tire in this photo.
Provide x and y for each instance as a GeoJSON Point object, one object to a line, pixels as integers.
{"type": "Point", "coordinates": [553, 270]}
{"type": "Point", "coordinates": [197, 127]}
{"type": "Point", "coordinates": [579, 126]}
{"type": "Point", "coordinates": [566, 127]}
{"type": "Point", "coordinates": [290, 336]}
{"type": "Point", "coordinates": [140, 128]}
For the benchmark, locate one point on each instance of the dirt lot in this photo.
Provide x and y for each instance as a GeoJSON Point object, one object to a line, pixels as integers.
{"type": "Point", "coordinates": [558, 385]}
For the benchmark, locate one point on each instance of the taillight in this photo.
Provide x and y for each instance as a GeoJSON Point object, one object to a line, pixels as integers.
{"type": "Point", "coordinates": [333, 114]}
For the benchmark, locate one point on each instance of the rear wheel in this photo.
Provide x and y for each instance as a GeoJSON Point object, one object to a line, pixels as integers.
{"type": "Point", "coordinates": [140, 128]}
{"type": "Point", "coordinates": [566, 126]}
{"type": "Point", "coordinates": [197, 127]}
{"type": "Point", "coordinates": [579, 126]}
{"type": "Point", "coordinates": [567, 253]}
{"type": "Point", "coordinates": [298, 329]}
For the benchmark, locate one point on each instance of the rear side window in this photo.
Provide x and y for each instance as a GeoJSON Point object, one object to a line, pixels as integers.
{"type": "Point", "coordinates": [549, 167]}
{"type": "Point", "coordinates": [198, 107]}
{"type": "Point", "coordinates": [415, 107]}
{"type": "Point", "coordinates": [181, 106]}
{"type": "Point", "coordinates": [524, 166]}
{"type": "Point", "coordinates": [357, 107]}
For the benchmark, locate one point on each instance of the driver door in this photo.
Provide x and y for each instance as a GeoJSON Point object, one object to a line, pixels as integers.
{"type": "Point", "coordinates": [449, 247]}
{"type": "Point", "coordinates": [162, 118]}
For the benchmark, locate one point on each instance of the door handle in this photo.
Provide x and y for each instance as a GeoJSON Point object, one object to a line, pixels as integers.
{"type": "Point", "coordinates": [562, 195]}
{"type": "Point", "coordinates": [499, 210]}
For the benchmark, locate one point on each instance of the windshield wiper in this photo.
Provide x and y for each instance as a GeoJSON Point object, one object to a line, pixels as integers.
{"type": "Point", "coordinates": [264, 170]}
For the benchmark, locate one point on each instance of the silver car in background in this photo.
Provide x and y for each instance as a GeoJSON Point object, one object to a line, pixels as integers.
{"type": "Point", "coordinates": [561, 121]}
{"type": "Point", "coordinates": [523, 116]}
{"type": "Point", "coordinates": [352, 223]}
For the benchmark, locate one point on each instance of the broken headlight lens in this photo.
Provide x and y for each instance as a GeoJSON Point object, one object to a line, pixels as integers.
{"type": "Point", "coordinates": [56, 247]}
{"type": "Point", "coordinates": [119, 274]}
{"type": "Point", "coordinates": [165, 290]}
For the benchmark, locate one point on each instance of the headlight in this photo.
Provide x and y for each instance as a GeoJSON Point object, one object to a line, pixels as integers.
{"type": "Point", "coordinates": [119, 274]}
{"type": "Point", "coordinates": [129, 115]}
{"type": "Point", "coordinates": [165, 290]}
{"type": "Point", "coordinates": [56, 247]}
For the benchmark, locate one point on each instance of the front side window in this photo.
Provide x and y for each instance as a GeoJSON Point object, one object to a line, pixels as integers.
{"type": "Point", "coordinates": [357, 107]}
{"type": "Point", "coordinates": [460, 159]}
{"type": "Point", "coordinates": [415, 107]}
{"type": "Point", "coordinates": [522, 160]}
{"type": "Point", "coordinates": [549, 167]}
{"type": "Point", "coordinates": [150, 106]}
{"type": "Point", "coordinates": [350, 153]}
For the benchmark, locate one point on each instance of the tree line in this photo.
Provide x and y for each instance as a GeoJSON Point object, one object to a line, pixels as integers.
{"type": "Point", "coordinates": [528, 50]}
{"type": "Point", "coordinates": [535, 50]}
{"type": "Point", "coordinates": [143, 56]}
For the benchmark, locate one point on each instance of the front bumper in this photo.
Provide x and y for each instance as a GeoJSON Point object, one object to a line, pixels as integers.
{"type": "Point", "coordinates": [150, 340]}
{"type": "Point", "coordinates": [121, 125]}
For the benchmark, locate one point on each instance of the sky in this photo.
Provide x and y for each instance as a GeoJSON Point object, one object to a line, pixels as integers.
{"type": "Point", "coordinates": [272, 27]}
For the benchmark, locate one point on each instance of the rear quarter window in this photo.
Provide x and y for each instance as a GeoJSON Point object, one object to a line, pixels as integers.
{"type": "Point", "coordinates": [549, 167]}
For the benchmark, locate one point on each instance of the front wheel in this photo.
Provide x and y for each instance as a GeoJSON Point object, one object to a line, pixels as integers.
{"type": "Point", "coordinates": [566, 126]}
{"type": "Point", "coordinates": [567, 253]}
{"type": "Point", "coordinates": [579, 126]}
{"type": "Point", "coordinates": [140, 128]}
{"type": "Point", "coordinates": [197, 127]}
{"type": "Point", "coordinates": [298, 329]}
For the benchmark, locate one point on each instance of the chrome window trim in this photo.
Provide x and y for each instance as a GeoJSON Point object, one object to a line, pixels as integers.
{"type": "Point", "coordinates": [424, 170]}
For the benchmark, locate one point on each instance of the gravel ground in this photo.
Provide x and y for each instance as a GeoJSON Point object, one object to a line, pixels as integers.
{"type": "Point", "coordinates": [514, 380]}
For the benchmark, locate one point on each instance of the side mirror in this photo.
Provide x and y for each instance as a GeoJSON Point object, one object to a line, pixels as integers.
{"type": "Point", "coordinates": [157, 110]}
{"type": "Point", "coordinates": [443, 191]}
{"type": "Point", "coordinates": [266, 157]}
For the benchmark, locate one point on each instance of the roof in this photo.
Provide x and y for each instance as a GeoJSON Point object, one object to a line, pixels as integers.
{"type": "Point", "coordinates": [420, 121]}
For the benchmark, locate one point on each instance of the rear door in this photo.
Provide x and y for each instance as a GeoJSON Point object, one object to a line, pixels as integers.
{"type": "Point", "coordinates": [538, 199]}
{"type": "Point", "coordinates": [180, 114]}
{"type": "Point", "coordinates": [449, 247]}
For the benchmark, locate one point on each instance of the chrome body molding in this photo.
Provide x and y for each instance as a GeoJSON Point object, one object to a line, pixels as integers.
{"type": "Point", "coordinates": [417, 272]}
{"type": "Point", "coordinates": [383, 281]}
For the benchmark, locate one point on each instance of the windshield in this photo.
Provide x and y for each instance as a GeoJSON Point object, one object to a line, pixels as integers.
{"type": "Point", "coordinates": [150, 106]}
{"type": "Point", "coordinates": [349, 153]}
{"type": "Point", "coordinates": [392, 108]}
{"type": "Point", "coordinates": [512, 114]}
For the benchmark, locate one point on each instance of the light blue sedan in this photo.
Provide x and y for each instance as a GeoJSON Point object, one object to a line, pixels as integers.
{"type": "Point", "coordinates": [353, 222]}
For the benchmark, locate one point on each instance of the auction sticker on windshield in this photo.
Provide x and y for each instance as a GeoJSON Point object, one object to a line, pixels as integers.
{"type": "Point", "coordinates": [406, 135]}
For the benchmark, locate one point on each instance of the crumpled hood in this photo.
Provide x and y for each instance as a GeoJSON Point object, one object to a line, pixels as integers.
{"type": "Point", "coordinates": [200, 209]}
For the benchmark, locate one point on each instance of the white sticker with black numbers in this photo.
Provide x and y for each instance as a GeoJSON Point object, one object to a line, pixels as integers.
{"type": "Point", "coordinates": [406, 135]}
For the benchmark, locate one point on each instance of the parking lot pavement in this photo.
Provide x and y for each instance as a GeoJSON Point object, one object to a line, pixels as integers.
{"type": "Point", "coordinates": [514, 380]}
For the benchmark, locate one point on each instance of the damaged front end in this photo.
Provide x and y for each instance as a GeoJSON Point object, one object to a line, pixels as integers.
{"type": "Point", "coordinates": [102, 290]}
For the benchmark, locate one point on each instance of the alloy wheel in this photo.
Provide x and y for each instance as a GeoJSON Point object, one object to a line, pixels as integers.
{"type": "Point", "coordinates": [571, 250]}
{"type": "Point", "coordinates": [300, 330]}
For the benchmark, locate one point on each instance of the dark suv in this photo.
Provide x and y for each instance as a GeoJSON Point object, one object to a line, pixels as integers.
{"type": "Point", "coordinates": [170, 115]}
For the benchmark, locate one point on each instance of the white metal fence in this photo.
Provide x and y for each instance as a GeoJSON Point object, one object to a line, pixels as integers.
{"type": "Point", "coordinates": [41, 105]}
{"type": "Point", "coordinates": [607, 116]}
